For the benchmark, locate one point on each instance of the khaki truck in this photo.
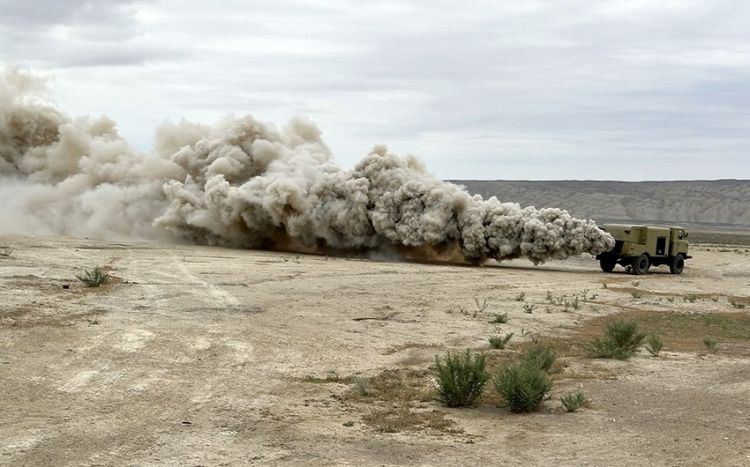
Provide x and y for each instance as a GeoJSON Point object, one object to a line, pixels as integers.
{"type": "Point", "coordinates": [643, 246]}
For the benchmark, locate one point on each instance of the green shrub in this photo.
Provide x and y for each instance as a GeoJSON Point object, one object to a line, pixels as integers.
{"type": "Point", "coordinates": [500, 318]}
{"type": "Point", "coordinates": [540, 355]}
{"type": "Point", "coordinates": [620, 341]}
{"type": "Point", "coordinates": [522, 386]}
{"type": "Point", "coordinates": [710, 344]}
{"type": "Point", "coordinates": [460, 377]}
{"type": "Point", "coordinates": [573, 400]}
{"type": "Point", "coordinates": [654, 345]}
{"type": "Point", "coordinates": [94, 278]}
{"type": "Point", "coordinates": [498, 342]}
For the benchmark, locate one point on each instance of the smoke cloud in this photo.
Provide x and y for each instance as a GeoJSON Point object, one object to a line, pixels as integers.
{"type": "Point", "coordinates": [247, 184]}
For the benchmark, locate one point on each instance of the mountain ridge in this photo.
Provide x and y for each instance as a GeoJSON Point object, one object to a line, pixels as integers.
{"type": "Point", "coordinates": [724, 203]}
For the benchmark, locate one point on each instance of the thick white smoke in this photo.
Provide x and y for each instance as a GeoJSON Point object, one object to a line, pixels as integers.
{"type": "Point", "coordinates": [244, 183]}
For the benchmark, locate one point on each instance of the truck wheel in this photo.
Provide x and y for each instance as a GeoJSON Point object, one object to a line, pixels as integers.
{"type": "Point", "coordinates": [677, 265]}
{"type": "Point", "coordinates": [641, 264]}
{"type": "Point", "coordinates": [607, 264]}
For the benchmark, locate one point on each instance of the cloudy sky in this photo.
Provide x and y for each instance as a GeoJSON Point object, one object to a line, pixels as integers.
{"type": "Point", "coordinates": [631, 90]}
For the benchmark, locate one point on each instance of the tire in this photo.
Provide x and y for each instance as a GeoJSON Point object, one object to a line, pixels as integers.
{"type": "Point", "coordinates": [607, 264]}
{"type": "Point", "coordinates": [641, 264]}
{"type": "Point", "coordinates": [677, 264]}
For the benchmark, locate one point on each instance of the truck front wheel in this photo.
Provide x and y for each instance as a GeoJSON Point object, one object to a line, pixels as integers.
{"type": "Point", "coordinates": [641, 264]}
{"type": "Point", "coordinates": [677, 265]}
{"type": "Point", "coordinates": [607, 263]}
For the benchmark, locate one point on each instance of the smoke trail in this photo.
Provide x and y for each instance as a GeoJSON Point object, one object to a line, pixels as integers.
{"type": "Point", "coordinates": [244, 183]}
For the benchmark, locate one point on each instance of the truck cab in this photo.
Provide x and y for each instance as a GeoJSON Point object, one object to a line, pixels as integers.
{"type": "Point", "coordinates": [643, 246]}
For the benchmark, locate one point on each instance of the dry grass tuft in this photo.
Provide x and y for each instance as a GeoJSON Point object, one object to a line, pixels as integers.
{"type": "Point", "coordinates": [403, 418]}
{"type": "Point", "coordinates": [396, 386]}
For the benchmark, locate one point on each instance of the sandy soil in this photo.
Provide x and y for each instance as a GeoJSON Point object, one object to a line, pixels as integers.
{"type": "Point", "coordinates": [212, 356]}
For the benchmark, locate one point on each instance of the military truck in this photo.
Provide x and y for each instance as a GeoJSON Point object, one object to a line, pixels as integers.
{"type": "Point", "coordinates": [643, 246]}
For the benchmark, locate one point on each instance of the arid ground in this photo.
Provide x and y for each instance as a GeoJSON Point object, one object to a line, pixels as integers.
{"type": "Point", "coordinates": [213, 356]}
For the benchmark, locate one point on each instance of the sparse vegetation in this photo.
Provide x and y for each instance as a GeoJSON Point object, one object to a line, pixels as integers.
{"type": "Point", "coordinates": [396, 419]}
{"type": "Point", "coordinates": [94, 278]}
{"type": "Point", "coordinates": [636, 294]}
{"type": "Point", "coordinates": [331, 377]}
{"type": "Point", "coordinates": [499, 342]}
{"type": "Point", "coordinates": [5, 252]}
{"type": "Point", "coordinates": [529, 308]}
{"type": "Point", "coordinates": [690, 298]}
{"type": "Point", "coordinates": [539, 355]}
{"type": "Point", "coordinates": [585, 294]}
{"type": "Point", "coordinates": [620, 341]}
{"type": "Point", "coordinates": [402, 386]}
{"type": "Point", "coordinates": [361, 386]}
{"type": "Point", "coordinates": [522, 386]}
{"type": "Point", "coordinates": [711, 344]}
{"type": "Point", "coordinates": [520, 297]}
{"type": "Point", "coordinates": [573, 400]}
{"type": "Point", "coordinates": [460, 377]}
{"type": "Point", "coordinates": [481, 306]}
{"type": "Point", "coordinates": [654, 344]}
{"type": "Point", "coordinates": [500, 318]}
{"type": "Point", "coordinates": [736, 303]}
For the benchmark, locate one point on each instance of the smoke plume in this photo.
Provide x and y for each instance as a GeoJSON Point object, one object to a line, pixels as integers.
{"type": "Point", "coordinates": [245, 183]}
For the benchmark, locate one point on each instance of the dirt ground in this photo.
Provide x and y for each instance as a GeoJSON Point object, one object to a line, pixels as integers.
{"type": "Point", "coordinates": [213, 356]}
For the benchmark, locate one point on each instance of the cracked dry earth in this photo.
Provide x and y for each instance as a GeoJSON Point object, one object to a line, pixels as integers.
{"type": "Point", "coordinates": [213, 356]}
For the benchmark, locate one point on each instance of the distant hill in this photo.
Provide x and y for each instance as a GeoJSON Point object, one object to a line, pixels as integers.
{"type": "Point", "coordinates": [715, 203]}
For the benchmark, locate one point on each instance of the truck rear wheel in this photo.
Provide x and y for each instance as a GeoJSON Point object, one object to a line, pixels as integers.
{"type": "Point", "coordinates": [677, 265]}
{"type": "Point", "coordinates": [641, 264]}
{"type": "Point", "coordinates": [607, 264]}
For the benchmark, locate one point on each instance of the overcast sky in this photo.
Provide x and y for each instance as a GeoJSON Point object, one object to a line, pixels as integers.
{"type": "Point", "coordinates": [630, 90]}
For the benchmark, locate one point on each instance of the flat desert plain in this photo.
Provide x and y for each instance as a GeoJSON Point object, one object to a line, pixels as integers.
{"type": "Point", "coordinates": [198, 355]}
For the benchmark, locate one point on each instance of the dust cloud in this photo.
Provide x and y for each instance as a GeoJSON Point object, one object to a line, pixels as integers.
{"type": "Point", "coordinates": [245, 183]}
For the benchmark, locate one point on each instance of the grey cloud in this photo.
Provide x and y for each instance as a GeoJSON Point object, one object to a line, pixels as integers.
{"type": "Point", "coordinates": [507, 80]}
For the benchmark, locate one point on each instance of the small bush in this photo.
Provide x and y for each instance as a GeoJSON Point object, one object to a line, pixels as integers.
{"type": "Point", "coordinates": [529, 308]}
{"type": "Point", "coordinates": [710, 344]}
{"type": "Point", "coordinates": [539, 355]}
{"type": "Point", "coordinates": [481, 306]}
{"type": "Point", "coordinates": [5, 252]}
{"type": "Point", "coordinates": [620, 341]}
{"type": "Point", "coordinates": [573, 400]}
{"type": "Point", "coordinates": [94, 278]}
{"type": "Point", "coordinates": [499, 342]}
{"type": "Point", "coordinates": [522, 386]}
{"type": "Point", "coordinates": [520, 297]}
{"type": "Point", "coordinates": [654, 345]}
{"type": "Point", "coordinates": [585, 294]}
{"type": "Point", "coordinates": [736, 304]}
{"type": "Point", "coordinates": [500, 318]}
{"type": "Point", "coordinates": [636, 294]}
{"type": "Point", "coordinates": [361, 386]}
{"type": "Point", "coordinates": [460, 378]}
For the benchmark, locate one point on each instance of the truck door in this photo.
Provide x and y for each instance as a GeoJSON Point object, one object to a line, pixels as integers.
{"type": "Point", "coordinates": [661, 246]}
